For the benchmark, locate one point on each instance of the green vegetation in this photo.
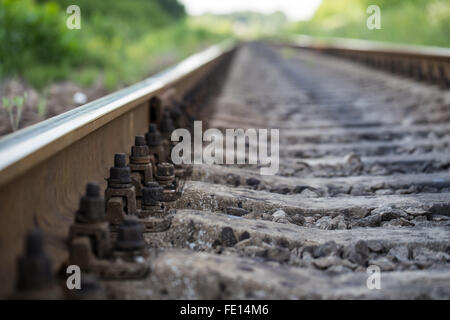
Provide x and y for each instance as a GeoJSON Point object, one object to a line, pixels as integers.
{"type": "Point", "coordinates": [244, 24]}
{"type": "Point", "coordinates": [14, 107]}
{"type": "Point", "coordinates": [120, 42]}
{"type": "Point", "coordinates": [33, 38]}
{"type": "Point", "coordinates": [423, 22]}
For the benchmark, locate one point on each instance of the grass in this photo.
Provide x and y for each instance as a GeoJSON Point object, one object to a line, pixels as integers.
{"type": "Point", "coordinates": [14, 107]}
{"type": "Point", "coordinates": [420, 22]}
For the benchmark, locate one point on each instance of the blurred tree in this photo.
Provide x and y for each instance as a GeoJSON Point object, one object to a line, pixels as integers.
{"type": "Point", "coordinates": [407, 21]}
{"type": "Point", "coordinates": [173, 8]}
{"type": "Point", "coordinates": [33, 34]}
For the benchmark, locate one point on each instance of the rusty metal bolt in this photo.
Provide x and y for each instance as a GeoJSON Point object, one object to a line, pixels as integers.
{"type": "Point", "coordinates": [140, 148]}
{"type": "Point", "coordinates": [176, 112]}
{"type": "Point", "coordinates": [34, 267]}
{"type": "Point", "coordinates": [166, 126]}
{"type": "Point", "coordinates": [139, 141]}
{"type": "Point", "coordinates": [120, 173]}
{"type": "Point", "coordinates": [153, 136]}
{"type": "Point", "coordinates": [152, 194]}
{"type": "Point", "coordinates": [165, 169]}
{"type": "Point", "coordinates": [130, 237]}
{"type": "Point", "coordinates": [92, 205]}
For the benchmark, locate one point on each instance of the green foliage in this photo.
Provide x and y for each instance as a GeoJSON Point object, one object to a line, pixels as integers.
{"type": "Point", "coordinates": [130, 18]}
{"type": "Point", "coordinates": [14, 107]}
{"type": "Point", "coordinates": [425, 22]}
{"type": "Point", "coordinates": [33, 35]}
{"type": "Point", "coordinates": [42, 107]}
{"type": "Point", "coordinates": [173, 8]}
{"type": "Point", "coordinates": [244, 24]}
{"type": "Point", "coordinates": [119, 41]}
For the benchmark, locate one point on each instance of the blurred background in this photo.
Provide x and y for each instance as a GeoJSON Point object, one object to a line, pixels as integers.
{"type": "Point", "coordinates": [46, 68]}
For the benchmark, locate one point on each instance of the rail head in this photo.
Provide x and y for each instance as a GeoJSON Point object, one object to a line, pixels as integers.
{"type": "Point", "coordinates": [357, 45]}
{"type": "Point", "coordinates": [30, 146]}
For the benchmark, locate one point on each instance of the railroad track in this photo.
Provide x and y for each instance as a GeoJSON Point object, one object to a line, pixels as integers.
{"type": "Point", "coordinates": [363, 181]}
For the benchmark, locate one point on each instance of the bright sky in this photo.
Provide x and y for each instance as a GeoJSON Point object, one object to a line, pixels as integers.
{"type": "Point", "coordinates": [293, 9]}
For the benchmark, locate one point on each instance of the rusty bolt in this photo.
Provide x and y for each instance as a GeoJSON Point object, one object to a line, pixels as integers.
{"type": "Point", "coordinates": [153, 137]}
{"type": "Point", "coordinates": [120, 173]}
{"type": "Point", "coordinates": [130, 237]}
{"type": "Point", "coordinates": [34, 267]}
{"type": "Point", "coordinates": [166, 126]}
{"type": "Point", "coordinates": [92, 205]}
{"type": "Point", "coordinates": [140, 148]}
{"type": "Point", "coordinates": [152, 194]}
{"type": "Point", "coordinates": [139, 141]}
{"type": "Point", "coordinates": [165, 169]}
{"type": "Point", "coordinates": [176, 112]}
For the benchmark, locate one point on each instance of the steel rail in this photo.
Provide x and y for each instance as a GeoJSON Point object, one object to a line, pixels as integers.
{"type": "Point", "coordinates": [27, 147]}
{"type": "Point", "coordinates": [424, 63]}
{"type": "Point", "coordinates": [370, 46]}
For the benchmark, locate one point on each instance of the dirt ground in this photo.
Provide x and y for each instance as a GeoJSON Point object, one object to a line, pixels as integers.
{"type": "Point", "coordinates": [59, 98]}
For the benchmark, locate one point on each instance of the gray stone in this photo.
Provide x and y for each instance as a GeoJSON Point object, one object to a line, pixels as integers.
{"type": "Point", "coordinates": [401, 222]}
{"type": "Point", "coordinates": [253, 182]}
{"type": "Point", "coordinates": [437, 217]}
{"type": "Point", "coordinates": [307, 193]}
{"type": "Point", "coordinates": [228, 238]}
{"type": "Point", "coordinates": [383, 192]}
{"type": "Point", "coordinates": [280, 216]}
{"type": "Point", "coordinates": [326, 262]}
{"type": "Point", "coordinates": [358, 190]}
{"type": "Point", "coordinates": [325, 249]}
{"type": "Point", "coordinates": [357, 253]}
{"type": "Point", "coordinates": [384, 264]}
{"type": "Point", "coordinates": [325, 223]}
{"type": "Point", "coordinates": [244, 236]}
{"type": "Point", "coordinates": [307, 257]}
{"type": "Point", "coordinates": [375, 245]}
{"type": "Point", "coordinates": [299, 188]}
{"type": "Point", "coordinates": [424, 254]}
{"type": "Point", "coordinates": [416, 211]}
{"type": "Point", "coordinates": [419, 220]}
{"type": "Point", "coordinates": [334, 190]}
{"type": "Point", "coordinates": [309, 219]}
{"type": "Point", "coordinates": [399, 254]}
{"type": "Point", "coordinates": [378, 186]}
{"type": "Point", "coordinates": [353, 158]}
{"type": "Point", "coordinates": [373, 220]}
{"type": "Point", "coordinates": [281, 189]}
{"type": "Point", "coordinates": [298, 219]}
{"type": "Point", "coordinates": [348, 264]}
{"type": "Point", "coordinates": [338, 268]}
{"type": "Point", "coordinates": [338, 222]}
{"type": "Point", "coordinates": [234, 211]}
{"type": "Point", "coordinates": [393, 214]}
{"type": "Point", "coordinates": [274, 253]}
